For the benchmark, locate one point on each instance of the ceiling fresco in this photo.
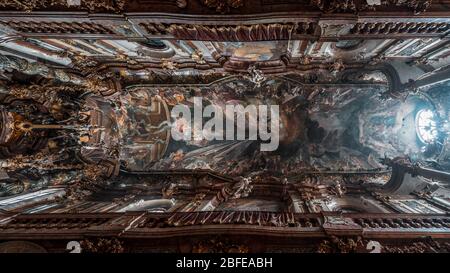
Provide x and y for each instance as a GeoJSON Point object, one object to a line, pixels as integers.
{"type": "Point", "coordinates": [328, 128]}
{"type": "Point", "coordinates": [225, 126]}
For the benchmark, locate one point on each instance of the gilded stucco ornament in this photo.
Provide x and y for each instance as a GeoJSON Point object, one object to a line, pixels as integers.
{"type": "Point", "coordinates": [90, 5]}
{"type": "Point", "coordinates": [167, 64]}
{"type": "Point", "coordinates": [197, 56]}
{"type": "Point", "coordinates": [223, 6]}
{"type": "Point", "coordinates": [341, 245]}
{"type": "Point", "coordinates": [337, 67]}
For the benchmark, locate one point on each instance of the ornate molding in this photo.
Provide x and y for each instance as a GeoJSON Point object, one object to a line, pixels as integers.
{"type": "Point", "coordinates": [144, 224]}
{"type": "Point", "coordinates": [400, 28]}
{"type": "Point", "coordinates": [90, 5]}
{"type": "Point", "coordinates": [217, 6]}
{"type": "Point", "coordinates": [257, 32]}
{"type": "Point", "coordinates": [58, 27]}
{"type": "Point", "coordinates": [231, 217]}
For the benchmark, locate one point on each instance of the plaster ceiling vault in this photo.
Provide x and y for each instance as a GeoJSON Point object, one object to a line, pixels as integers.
{"type": "Point", "coordinates": [86, 94]}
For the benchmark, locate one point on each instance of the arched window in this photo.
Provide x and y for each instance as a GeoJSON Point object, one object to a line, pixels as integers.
{"type": "Point", "coordinates": [426, 126]}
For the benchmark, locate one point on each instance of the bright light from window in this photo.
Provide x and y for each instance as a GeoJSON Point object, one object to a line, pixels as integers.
{"type": "Point", "coordinates": [426, 126]}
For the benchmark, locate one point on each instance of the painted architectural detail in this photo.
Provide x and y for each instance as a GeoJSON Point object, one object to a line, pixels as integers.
{"type": "Point", "coordinates": [94, 93]}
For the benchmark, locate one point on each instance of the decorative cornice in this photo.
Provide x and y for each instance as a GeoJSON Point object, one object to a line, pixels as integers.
{"type": "Point", "coordinates": [255, 32]}
{"type": "Point", "coordinates": [89, 5]}
{"type": "Point", "coordinates": [355, 6]}
{"type": "Point", "coordinates": [221, 6]}
{"type": "Point", "coordinates": [400, 28]}
{"type": "Point", "coordinates": [370, 223]}
{"type": "Point", "coordinates": [58, 27]}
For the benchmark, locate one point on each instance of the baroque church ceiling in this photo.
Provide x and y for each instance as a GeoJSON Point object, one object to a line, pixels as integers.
{"type": "Point", "coordinates": [88, 90]}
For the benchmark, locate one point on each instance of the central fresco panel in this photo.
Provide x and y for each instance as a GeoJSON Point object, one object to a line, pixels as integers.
{"type": "Point", "coordinates": [323, 128]}
{"type": "Point", "coordinates": [141, 120]}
